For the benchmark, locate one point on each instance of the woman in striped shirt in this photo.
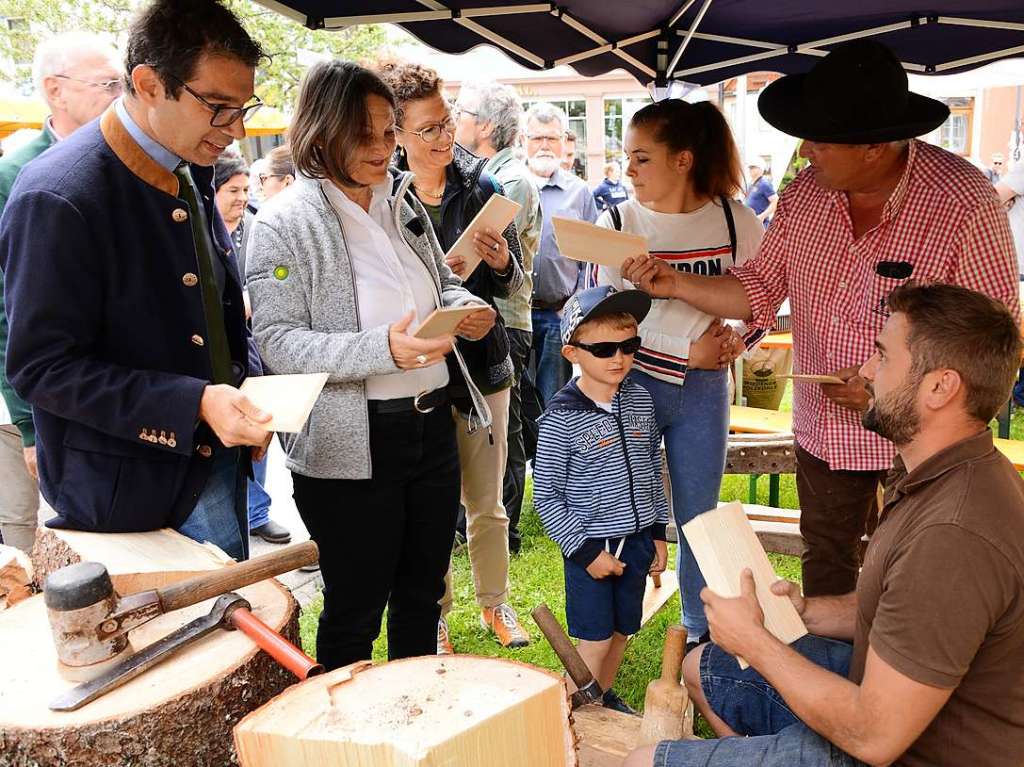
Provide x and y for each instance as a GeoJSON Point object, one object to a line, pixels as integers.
{"type": "Point", "coordinates": [685, 171]}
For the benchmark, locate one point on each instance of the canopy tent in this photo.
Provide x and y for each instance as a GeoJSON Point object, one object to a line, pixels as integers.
{"type": "Point", "coordinates": [18, 113]}
{"type": "Point", "coordinates": [698, 41]}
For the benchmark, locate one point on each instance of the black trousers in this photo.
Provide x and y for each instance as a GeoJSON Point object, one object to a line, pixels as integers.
{"type": "Point", "coordinates": [386, 541]}
{"type": "Point", "coordinates": [836, 509]}
{"type": "Point", "coordinates": [515, 468]}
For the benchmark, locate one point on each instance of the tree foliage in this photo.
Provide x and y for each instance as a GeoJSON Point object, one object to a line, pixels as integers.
{"type": "Point", "coordinates": [290, 45]}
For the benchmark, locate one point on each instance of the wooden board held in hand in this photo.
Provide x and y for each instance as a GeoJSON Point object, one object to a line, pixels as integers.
{"type": "Point", "coordinates": [497, 213]}
{"type": "Point", "coordinates": [581, 241]}
{"type": "Point", "coordinates": [442, 322]}
{"type": "Point", "coordinates": [288, 398]}
{"type": "Point", "coordinates": [724, 543]}
{"type": "Point", "coordinates": [810, 378]}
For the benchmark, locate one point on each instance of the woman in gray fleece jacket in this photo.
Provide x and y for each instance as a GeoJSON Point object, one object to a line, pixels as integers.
{"type": "Point", "coordinates": [342, 267]}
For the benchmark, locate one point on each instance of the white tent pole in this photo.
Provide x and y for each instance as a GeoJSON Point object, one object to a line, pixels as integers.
{"type": "Point", "coordinates": [689, 36]}
{"type": "Point", "coordinates": [493, 37]}
{"type": "Point", "coordinates": [605, 48]}
{"type": "Point", "coordinates": [680, 13]}
{"type": "Point", "coordinates": [953, 20]}
{"type": "Point", "coordinates": [978, 59]}
{"type": "Point", "coordinates": [439, 14]}
{"type": "Point", "coordinates": [605, 45]}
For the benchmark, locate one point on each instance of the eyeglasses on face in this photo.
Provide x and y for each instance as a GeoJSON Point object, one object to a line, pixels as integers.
{"type": "Point", "coordinates": [606, 349]}
{"type": "Point", "coordinates": [223, 115]}
{"type": "Point", "coordinates": [459, 110]}
{"type": "Point", "coordinates": [432, 133]}
{"type": "Point", "coordinates": [265, 176]}
{"type": "Point", "coordinates": [108, 86]}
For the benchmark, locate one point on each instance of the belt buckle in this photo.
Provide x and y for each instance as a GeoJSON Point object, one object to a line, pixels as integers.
{"type": "Point", "coordinates": [416, 403]}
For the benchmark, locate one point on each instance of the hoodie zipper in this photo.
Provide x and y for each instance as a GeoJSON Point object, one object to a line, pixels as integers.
{"type": "Point", "coordinates": [629, 468]}
{"type": "Point", "coordinates": [359, 327]}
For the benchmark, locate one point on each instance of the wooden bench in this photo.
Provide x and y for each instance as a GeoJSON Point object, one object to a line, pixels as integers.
{"type": "Point", "coordinates": [777, 529]}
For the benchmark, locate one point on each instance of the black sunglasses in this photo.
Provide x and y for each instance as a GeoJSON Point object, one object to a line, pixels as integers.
{"type": "Point", "coordinates": [606, 349]}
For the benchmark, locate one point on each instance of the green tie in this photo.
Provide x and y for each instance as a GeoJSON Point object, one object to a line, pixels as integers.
{"type": "Point", "coordinates": [216, 335]}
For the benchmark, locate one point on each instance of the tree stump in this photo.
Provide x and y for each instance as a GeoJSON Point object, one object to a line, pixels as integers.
{"type": "Point", "coordinates": [178, 713]}
{"type": "Point", "coordinates": [456, 710]}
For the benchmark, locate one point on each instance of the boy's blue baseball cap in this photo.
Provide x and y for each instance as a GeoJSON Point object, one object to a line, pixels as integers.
{"type": "Point", "coordinates": [596, 302]}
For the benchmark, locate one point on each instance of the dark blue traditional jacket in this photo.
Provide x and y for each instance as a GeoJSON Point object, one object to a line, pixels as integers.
{"type": "Point", "coordinates": [107, 330]}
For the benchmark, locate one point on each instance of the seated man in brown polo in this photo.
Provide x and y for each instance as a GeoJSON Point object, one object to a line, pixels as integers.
{"type": "Point", "coordinates": [935, 672]}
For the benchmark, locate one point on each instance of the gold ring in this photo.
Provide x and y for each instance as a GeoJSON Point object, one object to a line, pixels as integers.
{"type": "Point", "coordinates": [421, 359]}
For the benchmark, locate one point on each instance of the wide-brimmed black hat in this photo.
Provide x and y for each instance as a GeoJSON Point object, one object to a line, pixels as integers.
{"type": "Point", "coordinates": [857, 94]}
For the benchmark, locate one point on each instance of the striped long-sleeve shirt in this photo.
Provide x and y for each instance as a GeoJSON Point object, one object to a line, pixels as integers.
{"type": "Point", "coordinates": [597, 475]}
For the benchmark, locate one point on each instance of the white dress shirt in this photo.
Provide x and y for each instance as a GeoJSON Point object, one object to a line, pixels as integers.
{"type": "Point", "coordinates": [390, 281]}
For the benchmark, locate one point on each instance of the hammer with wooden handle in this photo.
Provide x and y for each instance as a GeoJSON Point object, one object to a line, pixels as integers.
{"type": "Point", "coordinates": [666, 701]}
{"type": "Point", "coordinates": [90, 622]}
{"type": "Point", "coordinates": [587, 687]}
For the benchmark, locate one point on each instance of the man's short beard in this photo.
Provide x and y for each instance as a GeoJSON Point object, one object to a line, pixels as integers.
{"type": "Point", "coordinates": [895, 417]}
{"type": "Point", "coordinates": [543, 166]}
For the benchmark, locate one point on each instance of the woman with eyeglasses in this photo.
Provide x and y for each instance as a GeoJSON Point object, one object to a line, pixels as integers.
{"type": "Point", "coordinates": [452, 187]}
{"type": "Point", "coordinates": [685, 171]}
{"type": "Point", "coordinates": [279, 172]}
{"type": "Point", "coordinates": [342, 270]}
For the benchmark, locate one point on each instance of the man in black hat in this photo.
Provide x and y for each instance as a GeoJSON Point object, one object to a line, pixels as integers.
{"type": "Point", "coordinates": [873, 210]}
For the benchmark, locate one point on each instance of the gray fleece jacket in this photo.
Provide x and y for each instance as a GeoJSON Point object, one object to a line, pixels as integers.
{"type": "Point", "coordinates": [305, 319]}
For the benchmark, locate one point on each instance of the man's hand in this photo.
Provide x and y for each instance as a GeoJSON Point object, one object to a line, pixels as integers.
{"type": "Point", "coordinates": [233, 417]}
{"type": "Point", "coordinates": [259, 452]}
{"type": "Point", "coordinates": [852, 394]}
{"type": "Point", "coordinates": [476, 326]}
{"type": "Point", "coordinates": [410, 352]}
{"type": "Point", "coordinates": [735, 623]}
{"type": "Point", "coordinates": [660, 558]}
{"type": "Point", "coordinates": [605, 565]}
{"type": "Point", "coordinates": [789, 589]}
{"type": "Point", "coordinates": [733, 347]}
{"type": "Point", "coordinates": [651, 275]}
{"type": "Point", "coordinates": [29, 454]}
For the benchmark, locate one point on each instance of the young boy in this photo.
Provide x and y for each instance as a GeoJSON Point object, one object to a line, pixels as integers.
{"type": "Point", "coordinates": [597, 479]}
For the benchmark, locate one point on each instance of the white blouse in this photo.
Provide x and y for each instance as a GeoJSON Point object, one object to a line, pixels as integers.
{"type": "Point", "coordinates": [390, 281]}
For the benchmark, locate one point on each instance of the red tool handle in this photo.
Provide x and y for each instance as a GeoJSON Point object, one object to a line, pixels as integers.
{"type": "Point", "coordinates": [275, 645]}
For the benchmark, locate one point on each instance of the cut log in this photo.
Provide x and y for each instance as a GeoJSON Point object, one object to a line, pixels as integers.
{"type": "Point", "coordinates": [178, 713]}
{"type": "Point", "coordinates": [15, 576]}
{"type": "Point", "coordinates": [457, 710]}
{"type": "Point", "coordinates": [135, 561]}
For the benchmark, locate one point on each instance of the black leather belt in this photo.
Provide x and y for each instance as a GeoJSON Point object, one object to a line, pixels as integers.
{"type": "Point", "coordinates": [421, 403]}
{"type": "Point", "coordinates": [547, 306]}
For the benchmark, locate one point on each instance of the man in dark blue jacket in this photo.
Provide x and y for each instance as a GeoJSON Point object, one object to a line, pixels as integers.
{"type": "Point", "coordinates": [127, 331]}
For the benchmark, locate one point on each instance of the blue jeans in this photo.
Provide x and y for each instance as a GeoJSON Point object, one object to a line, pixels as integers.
{"type": "Point", "coordinates": [220, 513]}
{"type": "Point", "coordinates": [259, 498]}
{"type": "Point", "coordinates": [694, 422]}
{"type": "Point", "coordinates": [752, 707]}
{"type": "Point", "coordinates": [553, 370]}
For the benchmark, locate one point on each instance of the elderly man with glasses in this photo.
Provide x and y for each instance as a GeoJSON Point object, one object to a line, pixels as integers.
{"type": "Point", "coordinates": [78, 75]}
{"type": "Point", "coordinates": [127, 330]}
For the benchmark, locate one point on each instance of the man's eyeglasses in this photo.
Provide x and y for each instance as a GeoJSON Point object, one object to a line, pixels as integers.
{"type": "Point", "coordinates": [265, 176]}
{"type": "Point", "coordinates": [606, 349]}
{"type": "Point", "coordinates": [223, 115]}
{"type": "Point", "coordinates": [432, 133]}
{"type": "Point", "coordinates": [108, 86]}
{"type": "Point", "coordinates": [463, 111]}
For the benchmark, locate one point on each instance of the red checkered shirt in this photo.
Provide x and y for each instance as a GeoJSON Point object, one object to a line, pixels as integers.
{"type": "Point", "coordinates": [943, 218]}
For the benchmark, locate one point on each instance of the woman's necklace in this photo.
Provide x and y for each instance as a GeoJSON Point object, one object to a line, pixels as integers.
{"type": "Point", "coordinates": [432, 195]}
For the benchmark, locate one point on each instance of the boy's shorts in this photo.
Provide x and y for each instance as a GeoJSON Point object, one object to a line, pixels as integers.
{"type": "Point", "coordinates": [594, 609]}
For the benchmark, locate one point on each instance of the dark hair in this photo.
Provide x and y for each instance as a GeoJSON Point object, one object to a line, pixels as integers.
{"type": "Point", "coordinates": [331, 118]}
{"type": "Point", "coordinates": [966, 331]}
{"type": "Point", "coordinates": [409, 82]}
{"type": "Point", "coordinates": [570, 135]}
{"type": "Point", "coordinates": [226, 168]}
{"type": "Point", "coordinates": [702, 130]}
{"type": "Point", "coordinates": [172, 35]}
{"type": "Point", "coordinates": [279, 162]}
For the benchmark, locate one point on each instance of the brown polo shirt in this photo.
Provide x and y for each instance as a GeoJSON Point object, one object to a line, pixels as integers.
{"type": "Point", "coordinates": [941, 600]}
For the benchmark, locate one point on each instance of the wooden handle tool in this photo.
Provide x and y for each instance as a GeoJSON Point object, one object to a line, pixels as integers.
{"type": "Point", "coordinates": [666, 701]}
{"type": "Point", "coordinates": [581, 676]}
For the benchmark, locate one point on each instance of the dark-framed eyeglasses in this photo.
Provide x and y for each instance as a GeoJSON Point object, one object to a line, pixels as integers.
{"type": "Point", "coordinates": [432, 133]}
{"type": "Point", "coordinates": [606, 349]}
{"type": "Point", "coordinates": [223, 115]}
{"type": "Point", "coordinates": [107, 86]}
{"type": "Point", "coordinates": [463, 111]}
